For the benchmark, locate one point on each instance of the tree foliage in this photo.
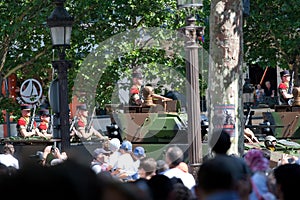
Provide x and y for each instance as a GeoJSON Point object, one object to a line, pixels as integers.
{"type": "Point", "coordinates": [272, 34]}
{"type": "Point", "coordinates": [26, 44]}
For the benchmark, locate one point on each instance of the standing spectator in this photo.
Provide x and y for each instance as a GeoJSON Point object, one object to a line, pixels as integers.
{"type": "Point", "coordinates": [283, 88]}
{"type": "Point", "coordinates": [125, 166]}
{"type": "Point", "coordinates": [147, 168]}
{"type": "Point", "coordinates": [7, 158]}
{"type": "Point", "coordinates": [161, 166]}
{"type": "Point", "coordinates": [114, 146]}
{"type": "Point", "coordinates": [269, 90]}
{"type": "Point", "coordinates": [216, 180]}
{"type": "Point", "coordinates": [287, 177]}
{"type": "Point", "coordinates": [259, 166]}
{"type": "Point", "coordinates": [137, 154]}
{"type": "Point", "coordinates": [52, 156]}
{"type": "Point", "coordinates": [174, 156]}
{"type": "Point", "coordinates": [99, 162]}
{"type": "Point", "coordinates": [242, 173]}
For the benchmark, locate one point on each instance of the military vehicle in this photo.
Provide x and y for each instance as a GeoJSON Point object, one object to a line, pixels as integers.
{"type": "Point", "coordinates": [154, 127]}
{"type": "Point", "coordinates": [282, 123]}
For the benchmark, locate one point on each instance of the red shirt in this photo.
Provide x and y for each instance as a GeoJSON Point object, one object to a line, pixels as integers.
{"type": "Point", "coordinates": [22, 122]}
{"type": "Point", "coordinates": [283, 86]}
{"type": "Point", "coordinates": [43, 126]}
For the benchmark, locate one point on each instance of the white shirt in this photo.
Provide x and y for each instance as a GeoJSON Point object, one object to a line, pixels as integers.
{"type": "Point", "coordinates": [9, 160]}
{"type": "Point", "coordinates": [126, 164]}
{"type": "Point", "coordinates": [187, 178]}
{"type": "Point", "coordinates": [113, 159]}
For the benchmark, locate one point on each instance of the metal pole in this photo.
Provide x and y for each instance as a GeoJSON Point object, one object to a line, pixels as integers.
{"type": "Point", "coordinates": [193, 96]}
{"type": "Point", "coordinates": [7, 114]}
{"type": "Point", "coordinates": [63, 115]}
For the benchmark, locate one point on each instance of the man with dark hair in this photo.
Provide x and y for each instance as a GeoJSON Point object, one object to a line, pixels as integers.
{"type": "Point", "coordinates": [174, 156]}
{"type": "Point", "coordinates": [216, 179]}
{"type": "Point", "coordinates": [241, 172]}
{"type": "Point", "coordinates": [287, 177]}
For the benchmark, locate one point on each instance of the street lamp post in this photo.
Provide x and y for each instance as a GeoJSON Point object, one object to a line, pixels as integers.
{"type": "Point", "coordinates": [60, 23]}
{"type": "Point", "coordinates": [191, 31]}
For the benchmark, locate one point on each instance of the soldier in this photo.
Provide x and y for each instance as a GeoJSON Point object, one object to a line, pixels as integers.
{"type": "Point", "coordinates": [26, 125]}
{"type": "Point", "coordinates": [83, 129]}
{"type": "Point", "coordinates": [44, 126]}
{"type": "Point", "coordinates": [136, 89]}
{"type": "Point", "coordinates": [283, 88]}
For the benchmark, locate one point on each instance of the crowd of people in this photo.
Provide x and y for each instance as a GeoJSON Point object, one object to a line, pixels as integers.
{"type": "Point", "coordinates": [121, 171]}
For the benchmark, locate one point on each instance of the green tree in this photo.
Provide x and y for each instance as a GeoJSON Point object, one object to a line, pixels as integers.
{"type": "Point", "coordinates": [272, 34]}
{"type": "Point", "coordinates": [26, 44]}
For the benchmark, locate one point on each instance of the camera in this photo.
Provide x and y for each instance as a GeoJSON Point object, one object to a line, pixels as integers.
{"type": "Point", "coordinates": [52, 148]}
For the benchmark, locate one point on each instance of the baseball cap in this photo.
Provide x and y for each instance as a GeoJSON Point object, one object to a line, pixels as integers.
{"type": "Point", "coordinates": [139, 151]}
{"type": "Point", "coordinates": [126, 145]}
{"type": "Point", "coordinates": [100, 151]}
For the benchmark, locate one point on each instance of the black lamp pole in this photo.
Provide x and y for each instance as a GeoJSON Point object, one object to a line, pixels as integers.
{"type": "Point", "coordinates": [60, 23]}
{"type": "Point", "coordinates": [191, 31]}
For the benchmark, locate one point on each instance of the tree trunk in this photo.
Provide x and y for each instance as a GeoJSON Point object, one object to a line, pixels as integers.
{"type": "Point", "coordinates": [225, 73]}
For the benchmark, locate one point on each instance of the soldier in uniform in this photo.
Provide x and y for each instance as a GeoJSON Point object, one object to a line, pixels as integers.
{"type": "Point", "coordinates": [24, 123]}
{"type": "Point", "coordinates": [283, 88]}
{"type": "Point", "coordinates": [136, 98]}
{"type": "Point", "coordinates": [82, 128]}
{"type": "Point", "coordinates": [44, 126]}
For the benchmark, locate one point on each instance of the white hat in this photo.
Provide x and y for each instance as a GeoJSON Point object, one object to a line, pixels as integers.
{"type": "Point", "coordinates": [114, 144]}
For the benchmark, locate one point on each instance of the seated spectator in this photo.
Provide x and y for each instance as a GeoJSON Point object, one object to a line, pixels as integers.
{"type": "Point", "coordinates": [7, 157]}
